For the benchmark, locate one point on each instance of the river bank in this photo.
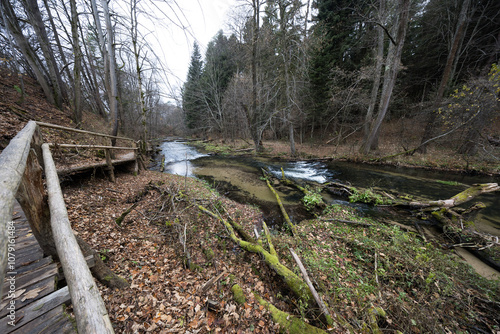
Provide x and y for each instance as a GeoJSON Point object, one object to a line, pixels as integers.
{"type": "Point", "coordinates": [356, 268]}
{"type": "Point", "coordinates": [439, 158]}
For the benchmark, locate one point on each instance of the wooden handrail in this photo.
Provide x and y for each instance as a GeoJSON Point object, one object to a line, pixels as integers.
{"type": "Point", "coordinates": [12, 165]}
{"type": "Point", "coordinates": [92, 146]}
{"type": "Point", "coordinates": [59, 127]}
{"type": "Point", "coordinates": [90, 312]}
{"type": "Point", "coordinates": [16, 180]}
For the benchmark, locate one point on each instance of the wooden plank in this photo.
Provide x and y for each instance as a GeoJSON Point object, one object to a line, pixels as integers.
{"type": "Point", "coordinates": [98, 147]}
{"type": "Point", "coordinates": [90, 312]}
{"type": "Point", "coordinates": [36, 309]}
{"type": "Point", "coordinates": [58, 127]}
{"type": "Point", "coordinates": [12, 164]}
{"type": "Point", "coordinates": [33, 277]}
{"type": "Point", "coordinates": [48, 322]}
{"type": "Point", "coordinates": [40, 290]}
{"type": "Point", "coordinates": [28, 258]}
{"type": "Point", "coordinates": [32, 266]}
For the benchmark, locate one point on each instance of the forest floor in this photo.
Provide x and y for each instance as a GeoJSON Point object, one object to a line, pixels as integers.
{"type": "Point", "coordinates": [167, 249]}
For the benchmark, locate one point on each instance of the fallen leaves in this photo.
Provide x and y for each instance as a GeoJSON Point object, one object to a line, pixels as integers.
{"type": "Point", "coordinates": [164, 297]}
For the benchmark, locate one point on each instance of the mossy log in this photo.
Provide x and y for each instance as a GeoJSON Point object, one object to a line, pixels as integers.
{"type": "Point", "coordinates": [288, 323]}
{"type": "Point", "coordinates": [289, 223]}
{"type": "Point", "coordinates": [120, 219]}
{"type": "Point", "coordinates": [295, 283]}
{"type": "Point", "coordinates": [458, 199]}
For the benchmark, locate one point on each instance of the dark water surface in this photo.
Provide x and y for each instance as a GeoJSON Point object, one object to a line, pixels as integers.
{"type": "Point", "coordinates": [242, 174]}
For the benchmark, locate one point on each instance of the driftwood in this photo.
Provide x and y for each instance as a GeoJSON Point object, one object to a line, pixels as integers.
{"type": "Point", "coordinates": [305, 190]}
{"type": "Point", "coordinates": [210, 283]}
{"type": "Point", "coordinates": [90, 312]}
{"type": "Point", "coordinates": [458, 199]}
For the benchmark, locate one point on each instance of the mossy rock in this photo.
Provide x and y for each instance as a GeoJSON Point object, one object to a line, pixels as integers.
{"type": "Point", "coordinates": [239, 296]}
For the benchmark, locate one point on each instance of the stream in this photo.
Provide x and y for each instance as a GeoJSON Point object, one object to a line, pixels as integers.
{"type": "Point", "coordinates": [239, 178]}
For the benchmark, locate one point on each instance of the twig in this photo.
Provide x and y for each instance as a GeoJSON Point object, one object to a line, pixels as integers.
{"type": "Point", "coordinates": [115, 191]}
{"type": "Point", "coordinates": [347, 222]}
{"type": "Point", "coordinates": [316, 296]}
{"type": "Point", "coordinates": [211, 282]}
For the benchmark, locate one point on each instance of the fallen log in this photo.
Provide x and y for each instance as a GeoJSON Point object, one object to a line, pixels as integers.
{"type": "Point", "coordinates": [458, 199]}
{"type": "Point", "coordinates": [289, 223]}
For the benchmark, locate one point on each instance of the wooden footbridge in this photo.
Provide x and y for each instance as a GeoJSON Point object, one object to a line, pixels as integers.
{"type": "Point", "coordinates": [38, 250]}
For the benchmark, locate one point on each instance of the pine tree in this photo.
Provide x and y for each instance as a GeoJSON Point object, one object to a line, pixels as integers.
{"type": "Point", "coordinates": [192, 93]}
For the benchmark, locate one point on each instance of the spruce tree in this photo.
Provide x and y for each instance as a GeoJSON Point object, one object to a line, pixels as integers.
{"type": "Point", "coordinates": [192, 93]}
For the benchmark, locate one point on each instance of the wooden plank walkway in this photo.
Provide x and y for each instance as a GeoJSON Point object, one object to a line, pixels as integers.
{"type": "Point", "coordinates": [73, 169]}
{"type": "Point", "coordinates": [38, 306]}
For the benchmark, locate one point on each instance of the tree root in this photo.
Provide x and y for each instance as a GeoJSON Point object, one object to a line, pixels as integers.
{"type": "Point", "coordinates": [100, 270]}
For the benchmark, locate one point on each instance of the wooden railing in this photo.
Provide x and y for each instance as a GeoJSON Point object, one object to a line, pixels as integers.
{"type": "Point", "coordinates": [21, 179]}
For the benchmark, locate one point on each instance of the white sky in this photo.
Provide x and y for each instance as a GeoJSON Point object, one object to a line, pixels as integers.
{"type": "Point", "coordinates": [203, 19]}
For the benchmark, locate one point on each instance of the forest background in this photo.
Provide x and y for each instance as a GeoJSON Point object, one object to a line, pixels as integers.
{"type": "Point", "coordinates": [320, 71]}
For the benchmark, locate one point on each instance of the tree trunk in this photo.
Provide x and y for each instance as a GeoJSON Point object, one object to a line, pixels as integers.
{"type": "Point", "coordinates": [445, 79]}
{"type": "Point", "coordinates": [138, 67]}
{"type": "Point", "coordinates": [113, 100]}
{"type": "Point", "coordinates": [391, 72]}
{"type": "Point", "coordinates": [29, 54]}
{"type": "Point", "coordinates": [77, 69]}
{"type": "Point", "coordinates": [377, 76]}
{"type": "Point", "coordinates": [33, 12]}
{"type": "Point", "coordinates": [58, 42]}
{"type": "Point", "coordinates": [256, 134]}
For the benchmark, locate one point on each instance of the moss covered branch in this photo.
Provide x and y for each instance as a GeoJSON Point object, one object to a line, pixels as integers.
{"type": "Point", "coordinates": [288, 323]}
{"type": "Point", "coordinates": [289, 223]}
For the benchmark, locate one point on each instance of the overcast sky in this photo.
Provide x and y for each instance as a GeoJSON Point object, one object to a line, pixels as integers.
{"type": "Point", "coordinates": [203, 19]}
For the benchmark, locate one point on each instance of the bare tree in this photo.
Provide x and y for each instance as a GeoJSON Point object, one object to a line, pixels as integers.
{"type": "Point", "coordinates": [77, 68]}
{"type": "Point", "coordinates": [391, 72]}
{"type": "Point", "coordinates": [35, 17]}
{"type": "Point", "coordinates": [447, 73]}
{"type": "Point", "coordinates": [113, 91]}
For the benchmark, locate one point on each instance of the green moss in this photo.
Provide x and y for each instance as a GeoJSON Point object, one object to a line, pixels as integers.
{"type": "Point", "coordinates": [209, 253]}
{"type": "Point", "coordinates": [288, 323]}
{"type": "Point", "coordinates": [239, 296]}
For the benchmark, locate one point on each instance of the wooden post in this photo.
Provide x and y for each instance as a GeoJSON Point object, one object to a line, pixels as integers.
{"type": "Point", "coordinates": [12, 164]}
{"type": "Point", "coordinates": [33, 199]}
{"type": "Point", "coordinates": [136, 162]}
{"type": "Point", "coordinates": [110, 165]}
{"type": "Point", "coordinates": [90, 312]}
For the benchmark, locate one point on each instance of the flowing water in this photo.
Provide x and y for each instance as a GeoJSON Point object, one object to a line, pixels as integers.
{"type": "Point", "coordinates": [239, 178]}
